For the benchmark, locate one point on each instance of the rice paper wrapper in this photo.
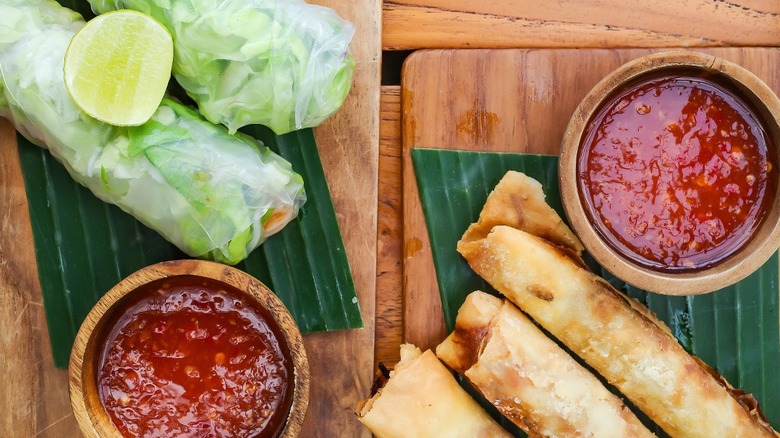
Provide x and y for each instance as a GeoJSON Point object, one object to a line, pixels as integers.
{"type": "Point", "coordinates": [282, 64]}
{"type": "Point", "coordinates": [212, 194]}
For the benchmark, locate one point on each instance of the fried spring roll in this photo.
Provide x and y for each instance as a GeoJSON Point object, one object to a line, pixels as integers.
{"type": "Point", "coordinates": [625, 346]}
{"type": "Point", "coordinates": [422, 399]}
{"type": "Point", "coordinates": [518, 201]}
{"type": "Point", "coordinates": [529, 378]}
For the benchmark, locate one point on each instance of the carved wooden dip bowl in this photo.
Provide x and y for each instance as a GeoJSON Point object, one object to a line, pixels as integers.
{"type": "Point", "coordinates": [189, 348]}
{"type": "Point", "coordinates": [669, 172]}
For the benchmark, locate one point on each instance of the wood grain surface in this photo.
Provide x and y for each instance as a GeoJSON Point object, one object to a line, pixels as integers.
{"type": "Point", "coordinates": [416, 24]}
{"type": "Point", "coordinates": [341, 362]}
{"type": "Point", "coordinates": [502, 101]}
{"type": "Point", "coordinates": [36, 402]}
{"type": "Point", "coordinates": [389, 304]}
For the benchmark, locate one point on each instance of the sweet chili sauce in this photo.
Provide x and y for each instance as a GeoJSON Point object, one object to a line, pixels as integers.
{"type": "Point", "coordinates": [675, 171]}
{"type": "Point", "coordinates": [193, 357]}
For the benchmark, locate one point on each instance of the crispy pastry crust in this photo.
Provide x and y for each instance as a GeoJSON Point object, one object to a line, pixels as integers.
{"type": "Point", "coordinates": [629, 347]}
{"type": "Point", "coordinates": [518, 201]}
{"type": "Point", "coordinates": [529, 378]}
{"type": "Point", "coordinates": [422, 399]}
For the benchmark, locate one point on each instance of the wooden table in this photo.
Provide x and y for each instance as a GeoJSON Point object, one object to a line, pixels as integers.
{"type": "Point", "coordinates": [360, 147]}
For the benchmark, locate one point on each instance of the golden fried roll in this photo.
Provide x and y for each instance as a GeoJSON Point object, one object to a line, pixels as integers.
{"type": "Point", "coordinates": [529, 378]}
{"type": "Point", "coordinates": [626, 347]}
{"type": "Point", "coordinates": [518, 201]}
{"type": "Point", "coordinates": [422, 399]}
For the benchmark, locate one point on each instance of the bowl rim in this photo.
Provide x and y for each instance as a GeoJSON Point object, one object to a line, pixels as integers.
{"type": "Point", "coordinates": [727, 272]}
{"type": "Point", "coordinates": [94, 422]}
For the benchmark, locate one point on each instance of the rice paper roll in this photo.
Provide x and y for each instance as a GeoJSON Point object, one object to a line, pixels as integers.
{"type": "Point", "coordinates": [622, 344]}
{"type": "Point", "coordinates": [214, 195]}
{"type": "Point", "coordinates": [17, 20]}
{"type": "Point", "coordinates": [284, 64]}
{"type": "Point", "coordinates": [422, 399]}
{"type": "Point", "coordinates": [529, 378]}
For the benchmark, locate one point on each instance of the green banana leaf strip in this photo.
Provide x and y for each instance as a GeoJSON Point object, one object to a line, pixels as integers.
{"type": "Point", "coordinates": [307, 258]}
{"type": "Point", "coordinates": [84, 246]}
{"type": "Point", "coordinates": [735, 330]}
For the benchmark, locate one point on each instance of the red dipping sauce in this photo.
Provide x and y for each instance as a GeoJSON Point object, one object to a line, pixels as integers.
{"type": "Point", "coordinates": [675, 172]}
{"type": "Point", "coordinates": [193, 357]}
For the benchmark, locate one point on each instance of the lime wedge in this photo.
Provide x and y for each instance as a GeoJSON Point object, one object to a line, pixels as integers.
{"type": "Point", "coordinates": [117, 67]}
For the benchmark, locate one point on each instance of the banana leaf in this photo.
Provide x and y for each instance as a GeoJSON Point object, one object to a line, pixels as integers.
{"type": "Point", "coordinates": [735, 330]}
{"type": "Point", "coordinates": [84, 246]}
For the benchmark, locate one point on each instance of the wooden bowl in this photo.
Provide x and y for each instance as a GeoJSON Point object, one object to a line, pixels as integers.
{"type": "Point", "coordinates": [737, 266]}
{"type": "Point", "coordinates": [84, 359]}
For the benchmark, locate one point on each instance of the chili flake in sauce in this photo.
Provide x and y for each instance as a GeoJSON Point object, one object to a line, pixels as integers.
{"type": "Point", "coordinates": [675, 171]}
{"type": "Point", "coordinates": [192, 357]}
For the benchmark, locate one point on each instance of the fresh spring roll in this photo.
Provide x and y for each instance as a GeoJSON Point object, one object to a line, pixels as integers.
{"type": "Point", "coordinates": [422, 399]}
{"type": "Point", "coordinates": [518, 201]}
{"type": "Point", "coordinates": [529, 378]}
{"type": "Point", "coordinates": [214, 195]}
{"type": "Point", "coordinates": [284, 64]}
{"type": "Point", "coordinates": [629, 349]}
{"type": "Point", "coordinates": [17, 21]}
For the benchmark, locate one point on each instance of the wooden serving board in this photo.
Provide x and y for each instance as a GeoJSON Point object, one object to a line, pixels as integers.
{"type": "Point", "coordinates": [498, 101]}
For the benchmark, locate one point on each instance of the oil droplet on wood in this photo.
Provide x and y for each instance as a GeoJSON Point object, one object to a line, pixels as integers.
{"type": "Point", "coordinates": [412, 247]}
{"type": "Point", "coordinates": [477, 126]}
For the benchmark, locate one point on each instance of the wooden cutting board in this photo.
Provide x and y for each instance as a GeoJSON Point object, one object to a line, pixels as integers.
{"type": "Point", "coordinates": [500, 101]}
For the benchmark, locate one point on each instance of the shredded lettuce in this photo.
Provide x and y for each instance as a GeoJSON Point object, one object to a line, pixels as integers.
{"type": "Point", "coordinates": [208, 192]}
{"type": "Point", "coordinates": [282, 64]}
